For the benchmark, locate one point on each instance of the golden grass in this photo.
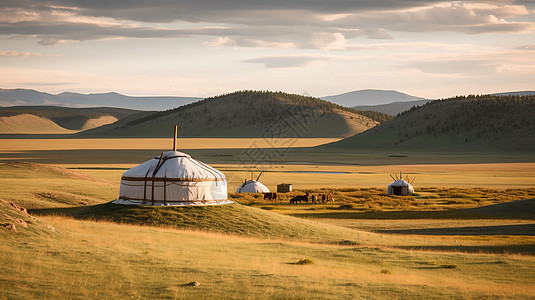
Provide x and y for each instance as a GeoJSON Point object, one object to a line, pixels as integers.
{"type": "Point", "coordinates": [104, 260]}
{"type": "Point", "coordinates": [156, 143]}
{"type": "Point", "coordinates": [345, 170]}
{"type": "Point", "coordinates": [87, 259]}
{"type": "Point", "coordinates": [28, 123]}
{"type": "Point", "coordinates": [495, 175]}
{"type": "Point", "coordinates": [97, 122]}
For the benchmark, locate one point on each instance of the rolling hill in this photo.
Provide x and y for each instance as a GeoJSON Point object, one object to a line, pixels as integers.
{"type": "Point", "coordinates": [519, 93]}
{"type": "Point", "coordinates": [25, 97]}
{"type": "Point", "coordinates": [485, 123]}
{"type": "Point", "coordinates": [393, 108]}
{"type": "Point", "coordinates": [370, 97]}
{"type": "Point", "coordinates": [57, 120]}
{"type": "Point", "coordinates": [249, 114]}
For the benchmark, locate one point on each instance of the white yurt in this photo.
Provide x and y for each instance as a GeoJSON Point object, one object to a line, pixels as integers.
{"type": "Point", "coordinates": [173, 178]}
{"type": "Point", "coordinates": [252, 186]}
{"type": "Point", "coordinates": [400, 187]}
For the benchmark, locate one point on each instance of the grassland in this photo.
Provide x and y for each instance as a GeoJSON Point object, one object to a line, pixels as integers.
{"type": "Point", "coordinates": [283, 160]}
{"type": "Point", "coordinates": [364, 245]}
{"type": "Point", "coordinates": [101, 260]}
{"type": "Point", "coordinates": [45, 144]}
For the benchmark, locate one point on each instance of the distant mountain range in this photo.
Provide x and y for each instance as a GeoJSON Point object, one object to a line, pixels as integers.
{"type": "Point", "coordinates": [247, 114]}
{"type": "Point", "coordinates": [390, 102]}
{"type": "Point", "coordinates": [19, 97]}
{"type": "Point", "coordinates": [370, 97]}
{"type": "Point", "coordinates": [482, 123]}
{"type": "Point", "coordinates": [393, 108]}
{"type": "Point", "coordinates": [385, 101]}
{"type": "Point", "coordinates": [521, 93]}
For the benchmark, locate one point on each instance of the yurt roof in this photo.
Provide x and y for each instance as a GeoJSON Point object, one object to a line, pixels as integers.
{"type": "Point", "coordinates": [175, 166]}
{"type": "Point", "coordinates": [252, 186]}
{"type": "Point", "coordinates": [400, 182]}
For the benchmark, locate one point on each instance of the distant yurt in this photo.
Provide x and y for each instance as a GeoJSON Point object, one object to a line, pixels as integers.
{"type": "Point", "coordinates": [400, 186]}
{"type": "Point", "coordinates": [252, 186]}
{"type": "Point", "coordinates": [173, 178]}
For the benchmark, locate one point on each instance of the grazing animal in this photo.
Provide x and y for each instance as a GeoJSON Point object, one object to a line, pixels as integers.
{"type": "Point", "coordinates": [314, 199]}
{"type": "Point", "coordinates": [330, 197]}
{"type": "Point", "coordinates": [270, 196]}
{"type": "Point", "coordinates": [327, 198]}
{"type": "Point", "coordinates": [300, 198]}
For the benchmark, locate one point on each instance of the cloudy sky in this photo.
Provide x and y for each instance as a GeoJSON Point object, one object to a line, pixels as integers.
{"type": "Point", "coordinates": [202, 48]}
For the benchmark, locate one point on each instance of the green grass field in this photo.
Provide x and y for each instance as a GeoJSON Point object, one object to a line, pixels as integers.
{"type": "Point", "coordinates": [435, 244]}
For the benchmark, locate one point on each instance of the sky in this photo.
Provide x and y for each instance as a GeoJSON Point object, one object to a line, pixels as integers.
{"type": "Point", "coordinates": [202, 48]}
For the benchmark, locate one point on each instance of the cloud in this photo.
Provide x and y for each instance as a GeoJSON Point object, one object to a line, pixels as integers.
{"type": "Point", "coordinates": [478, 63]}
{"type": "Point", "coordinates": [287, 61]}
{"type": "Point", "coordinates": [57, 32]}
{"type": "Point", "coordinates": [379, 34]}
{"type": "Point", "coordinates": [311, 24]}
{"type": "Point", "coordinates": [15, 15]}
{"type": "Point", "coordinates": [453, 17]}
{"type": "Point", "coordinates": [40, 83]}
{"type": "Point", "coordinates": [528, 47]}
{"type": "Point", "coordinates": [18, 54]}
{"type": "Point", "coordinates": [454, 66]}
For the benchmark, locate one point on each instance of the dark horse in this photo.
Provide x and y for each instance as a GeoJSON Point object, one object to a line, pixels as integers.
{"type": "Point", "coordinates": [300, 198]}
{"type": "Point", "coordinates": [270, 196]}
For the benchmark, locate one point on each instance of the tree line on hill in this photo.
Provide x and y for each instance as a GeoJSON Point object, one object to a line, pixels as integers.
{"type": "Point", "coordinates": [265, 106]}
{"type": "Point", "coordinates": [477, 121]}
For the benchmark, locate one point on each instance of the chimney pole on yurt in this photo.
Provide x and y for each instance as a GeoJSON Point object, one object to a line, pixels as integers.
{"type": "Point", "coordinates": [174, 138]}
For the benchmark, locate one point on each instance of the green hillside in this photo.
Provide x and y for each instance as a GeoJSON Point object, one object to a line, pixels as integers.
{"type": "Point", "coordinates": [235, 219]}
{"type": "Point", "coordinates": [54, 119]}
{"type": "Point", "coordinates": [486, 123]}
{"type": "Point", "coordinates": [248, 114]}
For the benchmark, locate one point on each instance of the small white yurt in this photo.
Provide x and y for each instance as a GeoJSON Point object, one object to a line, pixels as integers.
{"type": "Point", "coordinates": [173, 178]}
{"type": "Point", "coordinates": [252, 186]}
{"type": "Point", "coordinates": [400, 187]}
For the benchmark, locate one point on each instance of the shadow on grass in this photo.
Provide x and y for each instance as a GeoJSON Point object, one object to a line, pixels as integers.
{"type": "Point", "coordinates": [524, 249]}
{"type": "Point", "coordinates": [135, 214]}
{"type": "Point", "coordinates": [405, 215]}
{"type": "Point", "coordinates": [63, 211]}
{"type": "Point", "coordinates": [521, 229]}
{"type": "Point", "coordinates": [395, 215]}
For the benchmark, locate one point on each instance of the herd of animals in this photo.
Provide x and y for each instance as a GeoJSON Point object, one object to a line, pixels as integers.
{"type": "Point", "coordinates": [320, 198]}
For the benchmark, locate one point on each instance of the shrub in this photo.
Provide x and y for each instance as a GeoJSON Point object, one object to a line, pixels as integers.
{"type": "Point", "coordinates": [448, 266]}
{"type": "Point", "coordinates": [305, 261]}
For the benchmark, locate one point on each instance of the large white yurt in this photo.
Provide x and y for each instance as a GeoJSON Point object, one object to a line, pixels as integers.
{"type": "Point", "coordinates": [173, 178]}
{"type": "Point", "coordinates": [400, 187]}
{"type": "Point", "coordinates": [252, 186]}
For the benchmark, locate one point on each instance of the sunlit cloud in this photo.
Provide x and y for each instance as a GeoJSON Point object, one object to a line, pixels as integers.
{"type": "Point", "coordinates": [18, 54]}
{"type": "Point", "coordinates": [287, 61]}
{"type": "Point", "coordinates": [482, 63]}
{"type": "Point", "coordinates": [528, 47]}
{"type": "Point", "coordinates": [278, 24]}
